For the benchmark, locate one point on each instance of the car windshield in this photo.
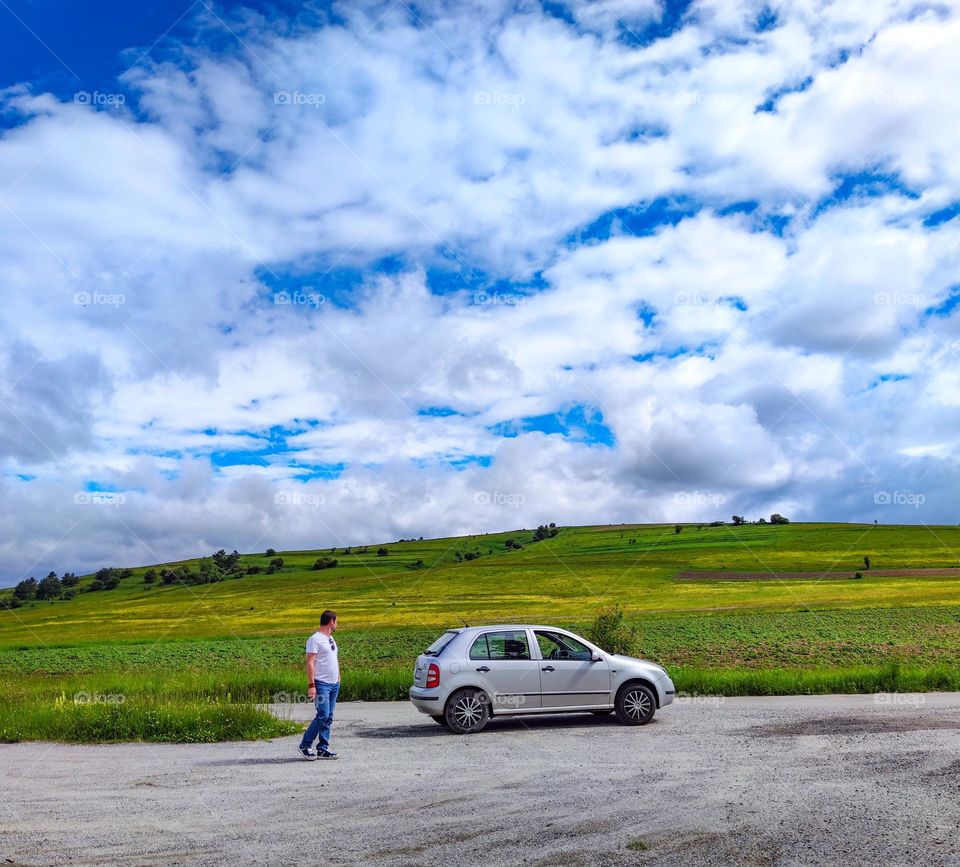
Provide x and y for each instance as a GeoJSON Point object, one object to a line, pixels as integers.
{"type": "Point", "coordinates": [436, 648]}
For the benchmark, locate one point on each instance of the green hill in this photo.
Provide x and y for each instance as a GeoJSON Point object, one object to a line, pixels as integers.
{"type": "Point", "coordinates": [566, 577]}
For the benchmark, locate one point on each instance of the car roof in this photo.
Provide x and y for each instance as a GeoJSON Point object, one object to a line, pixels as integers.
{"type": "Point", "coordinates": [487, 627]}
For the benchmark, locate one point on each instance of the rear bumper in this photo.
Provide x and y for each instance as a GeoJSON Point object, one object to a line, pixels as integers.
{"type": "Point", "coordinates": [426, 700]}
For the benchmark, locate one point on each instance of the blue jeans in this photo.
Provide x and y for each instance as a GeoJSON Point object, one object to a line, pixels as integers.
{"type": "Point", "coordinates": [325, 702]}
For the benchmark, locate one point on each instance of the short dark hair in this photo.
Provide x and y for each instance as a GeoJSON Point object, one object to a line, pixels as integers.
{"type": "Point", "coordinates": [327, 616]}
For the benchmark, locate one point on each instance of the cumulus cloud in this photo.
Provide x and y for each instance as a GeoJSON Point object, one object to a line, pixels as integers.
{"type": "Point", "coordinates": [392, 273]}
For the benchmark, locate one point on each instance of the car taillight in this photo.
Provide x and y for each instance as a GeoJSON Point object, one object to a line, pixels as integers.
{"type": "Point", "coordinates": [433, 675]}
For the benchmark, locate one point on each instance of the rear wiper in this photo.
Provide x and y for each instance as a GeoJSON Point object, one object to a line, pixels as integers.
{"type": "Point", "coordinates": [429, 653]}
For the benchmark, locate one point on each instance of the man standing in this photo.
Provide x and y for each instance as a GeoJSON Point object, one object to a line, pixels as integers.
{"type": "Point", "coordinates": [323, 679]}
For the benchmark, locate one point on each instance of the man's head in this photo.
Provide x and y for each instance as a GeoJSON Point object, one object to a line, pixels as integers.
{"type": "Point", "coordinates": [328, 621]}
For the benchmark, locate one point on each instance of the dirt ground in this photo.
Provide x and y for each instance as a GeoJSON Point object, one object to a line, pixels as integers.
{"type": "Point", "coordinates": [763, 781]}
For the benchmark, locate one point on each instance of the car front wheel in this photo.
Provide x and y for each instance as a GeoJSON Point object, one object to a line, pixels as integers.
{"type": "Point", "coordinates": [467, 711]}
{"type": "Point", "coordinates": [636, 704]}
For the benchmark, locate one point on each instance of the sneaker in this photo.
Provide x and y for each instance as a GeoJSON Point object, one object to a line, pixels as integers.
{"type": "Point", "coordinates": [326, 754]}
{"type": "Point", "coordinates": [307, 753]}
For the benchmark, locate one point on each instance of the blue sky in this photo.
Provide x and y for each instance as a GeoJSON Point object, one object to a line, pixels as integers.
{"type": "Point", "coordinates": [304, 276]}
{"type": "Point", "coordinates": [62, 47]}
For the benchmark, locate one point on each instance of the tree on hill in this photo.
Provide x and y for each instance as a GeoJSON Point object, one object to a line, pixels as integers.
{"type": "Point", "coordinates": [545, 531]}
{"type": "Point", "coordinates": [227, 562]}
{"type": "Point", "coordinates": [270, 553]}
{"type": "Point", "coordinates": [778, 519]}
{"type": "Point", "coordinates": [50, 587]}
{"type": "Point", "coordinates": [149, 576]}
{"type": "Point", "coordinates": [738, 519]}
{"type": "Point", "coordinates": [208, 572]}
{"type": "Point", "coordinates": [382, 552]}
{"type": "Point", "coordinates": [678, 528]}
{"type": "Point", "coordinates": [179, 575]}
{"type": "Point", "coordinates": [26, 589]}
{"type": "Point", "coordinates": [69, 579]}
{"type": "Point", "coordinates": [106, 578]}
{"type": "Point", "coordinates": [324, 563]}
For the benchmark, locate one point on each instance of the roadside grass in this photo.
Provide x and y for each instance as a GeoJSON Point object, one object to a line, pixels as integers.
{"type": "Point", "coordinates": [891, 678]}
{"type": "Point", "coordinates": [202, 707]}
{"type": "Point", "coordinates": [137, 718]}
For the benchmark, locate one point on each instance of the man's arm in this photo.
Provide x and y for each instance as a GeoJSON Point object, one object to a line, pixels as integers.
{"type": "Point", "coordinates": [311, 689]}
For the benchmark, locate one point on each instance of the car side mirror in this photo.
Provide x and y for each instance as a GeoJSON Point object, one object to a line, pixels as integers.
{"type": "Point", "coordinates": [596, 657]}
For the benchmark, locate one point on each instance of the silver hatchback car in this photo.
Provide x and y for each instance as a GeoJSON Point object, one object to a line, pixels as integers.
{"type": "Point", "coordinates": [469, 675]}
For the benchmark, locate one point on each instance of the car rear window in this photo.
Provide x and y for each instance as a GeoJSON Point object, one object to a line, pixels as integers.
{"type": "Point", "coordinates": [501, 645]}
{"type": "Point", "coordinates": [436, 648]}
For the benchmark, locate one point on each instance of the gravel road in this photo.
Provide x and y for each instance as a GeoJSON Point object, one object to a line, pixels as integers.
{"type": "Point", "coordinates": [762, 781]}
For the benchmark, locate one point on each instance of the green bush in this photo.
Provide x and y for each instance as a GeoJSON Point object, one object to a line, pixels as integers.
{"type": "Point", "coordinates": [613, 633]}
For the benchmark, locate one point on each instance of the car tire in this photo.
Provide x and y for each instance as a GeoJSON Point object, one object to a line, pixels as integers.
{"type": "Point", "coordinates": [636, 704]}
{"type": "Point", "coordinates": [440, 720]}
{"type": "Point", "coordinates": [467, 711]}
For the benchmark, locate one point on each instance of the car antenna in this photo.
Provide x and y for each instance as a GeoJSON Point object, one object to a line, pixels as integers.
{"type": "Point", "coordinates": [464, 622]}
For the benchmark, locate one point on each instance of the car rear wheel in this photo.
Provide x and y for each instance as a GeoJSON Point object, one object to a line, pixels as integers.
{"type": "Point", "coordinates": [636, 704]}
{"type": "Point", "coordinates": [467, 711]}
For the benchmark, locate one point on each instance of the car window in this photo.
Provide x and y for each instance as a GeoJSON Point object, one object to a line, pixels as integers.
{"type": "Point", "coordinates": [508, 645]}
{"type": "Point", "coordinates": [437, 647]}
{"type": "Point", "coordinates": [553, 645]}
{"type": "Point", "coordinates": [479, 649]}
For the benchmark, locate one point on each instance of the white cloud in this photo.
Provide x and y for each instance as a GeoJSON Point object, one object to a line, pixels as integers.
{"type": "Point", "coordinates": [142, 250]}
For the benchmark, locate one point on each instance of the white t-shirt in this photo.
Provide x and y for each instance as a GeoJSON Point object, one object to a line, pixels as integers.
{"type": "Point", "coordinates": [326, 667]}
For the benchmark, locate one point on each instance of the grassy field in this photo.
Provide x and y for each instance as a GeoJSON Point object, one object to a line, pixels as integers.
{"type": "Point", "coordinates": [565, 577]}
{"type": "Point", "coordinates": [219, 648]}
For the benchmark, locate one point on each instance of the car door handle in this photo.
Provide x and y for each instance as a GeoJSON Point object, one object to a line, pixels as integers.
{"type": "Point", "coordinates": [548, 668]}
{"type": "Point", "coordinates": [483, 668]}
